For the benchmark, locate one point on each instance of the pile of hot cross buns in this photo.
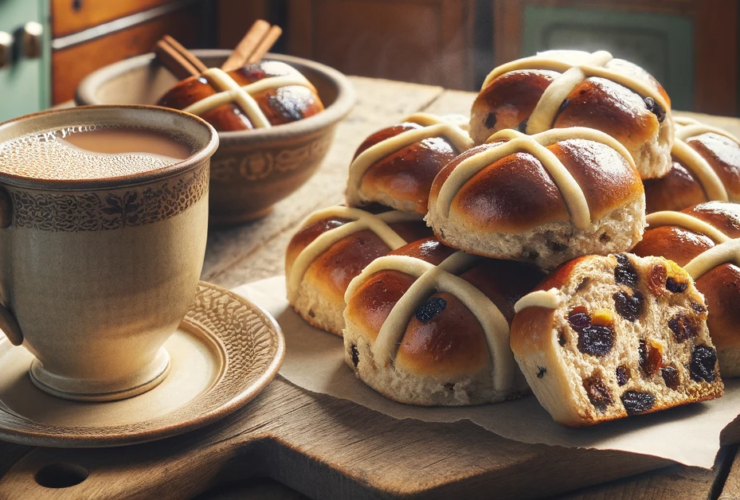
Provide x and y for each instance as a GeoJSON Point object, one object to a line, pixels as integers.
{"type": "Point", "coordinates": [572, 239]}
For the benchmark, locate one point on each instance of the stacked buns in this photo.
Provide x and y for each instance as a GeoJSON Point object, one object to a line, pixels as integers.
{"type": "Point", "coordinates": [566, 143]}
{"type": "Point", "coordinates": [706, 167]}
{"type": "Point", "coordinates": [544, 199]}
{"type": "Point", "coordinates": [332, 246]}
{"type": "Point", "coordinates": [570, 88]}
{"type": "Point", "coordinates": [396, 166]}
{"type": "Point", "coordinates": [703, 239]}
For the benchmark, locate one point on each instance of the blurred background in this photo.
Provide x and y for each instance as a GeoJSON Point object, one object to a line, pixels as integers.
{"type": "Point", "coordinates": [690, 46]}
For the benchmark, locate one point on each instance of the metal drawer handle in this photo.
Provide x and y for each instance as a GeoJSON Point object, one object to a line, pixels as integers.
{"type": "Point", "coordinates": [32, 39]}
{"type": "Point", "coordinates": [6, 49]}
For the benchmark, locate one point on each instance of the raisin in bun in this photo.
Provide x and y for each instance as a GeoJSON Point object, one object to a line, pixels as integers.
{"type": "Point", "coordinates": [569, 88]}
{"type": "Point", "coordinates": [256, 96]}
{"type": "Point", "coordinates": [544, 199]}
{"type": "Point", "coordinates": [331, 247]}
{"type": "Point", "coordinates": [606, 337]}
{"type": "Point", "coordinates": [706, 167]}
{"type": "Point", "coordinates": [703, 239]}
{"type": "Point", "coordinates": [396, 166]}
{"type": "Point", "coordinates": [427, 325]}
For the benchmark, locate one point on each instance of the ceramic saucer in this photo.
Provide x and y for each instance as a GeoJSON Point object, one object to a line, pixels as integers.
{"type": "Point", "coordinates": [224, 353]}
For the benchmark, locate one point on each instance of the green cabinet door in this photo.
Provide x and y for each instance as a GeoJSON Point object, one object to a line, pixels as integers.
{"type": "Point", "coordinates": [24, 84]}
{"type": "Point", "coordinates": [663, 44]}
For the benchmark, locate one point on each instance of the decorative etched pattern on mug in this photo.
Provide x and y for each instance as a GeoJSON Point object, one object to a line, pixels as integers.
{"type": "Point", "coordinates": [105, 210]}
{"type": "Point", "coordinates": [258, 165]}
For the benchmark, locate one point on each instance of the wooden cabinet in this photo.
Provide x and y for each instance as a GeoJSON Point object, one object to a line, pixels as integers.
{"type": "Point", "coordinates": [71, 16]}
{"type": "Point", "coordinates": [423, 41]}
{"type": "Point", "coordinates": [691, 46]}
{"type": "Point", "coordinates": [90, 34]}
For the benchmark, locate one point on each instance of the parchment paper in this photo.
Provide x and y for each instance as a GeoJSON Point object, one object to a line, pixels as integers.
{"type": "Point", "coordinates": [314, 360]}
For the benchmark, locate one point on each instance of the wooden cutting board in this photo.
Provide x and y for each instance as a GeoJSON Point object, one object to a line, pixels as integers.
{"type": "Point", "coordinates": [333, 449]}
{"type": "Point", "coordinates": [329, 449]}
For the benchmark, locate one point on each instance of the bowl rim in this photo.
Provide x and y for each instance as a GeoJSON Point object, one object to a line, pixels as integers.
{"type": "Point", "coordinates": [336, 111]}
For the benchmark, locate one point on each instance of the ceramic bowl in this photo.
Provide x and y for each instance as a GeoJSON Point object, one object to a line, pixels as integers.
{"type": "Point", "coordinates": [252, 170]}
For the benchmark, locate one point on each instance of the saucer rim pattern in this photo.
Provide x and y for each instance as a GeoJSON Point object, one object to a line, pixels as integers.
{"type": "Point", "coordinates": [229, 392]}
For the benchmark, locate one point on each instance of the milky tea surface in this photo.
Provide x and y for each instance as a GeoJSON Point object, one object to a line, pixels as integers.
{"type": "Point", "coordinates": [90, 152]}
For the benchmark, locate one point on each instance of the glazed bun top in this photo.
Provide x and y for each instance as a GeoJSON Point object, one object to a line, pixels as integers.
{"type": "Point", "coordinates": [516, 182]}
{"type": "Point", "coordinates": [557, 89]}
{"type": "Point", "coordinates": [425, 291]}
{"type": "Point", "coordinates": [367, 235]}
{"type": "Point", "coordinates": [396, 166]}
{"type": "Point", "coordinates": [699, 238]}
{"type": "Point", "coordinates": [256, 96]}
{"type": "Point", "coordinates": [706, 167]}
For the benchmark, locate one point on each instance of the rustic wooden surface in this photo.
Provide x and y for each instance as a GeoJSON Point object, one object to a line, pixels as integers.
{"type": "Point", "coordinates": [291, 444]}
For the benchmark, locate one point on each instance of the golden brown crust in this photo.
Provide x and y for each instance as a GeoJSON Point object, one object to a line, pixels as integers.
{"type": "Point", "coordinates": [723, 155]}
{"type": "Point", "coordinates": [405, 175]}
{"type": "Point", "coordinates": [370, 306]}
{"type": "Point", "coordinates": [723, 216]}
{"type": "Point", "coordinates": [194, 89]}
{"type": "Point", "coordinates": [331, 272]}
{"type": "Point", "coordinates": [609, 107]}
{"type": "Point", "coordinates": [516, 193]}
{"type": "Point", "coordinates": [677, 244]}
{"type": "Point", "coordinates": [531, 327]}
{"type": "Point", "coordinates": [450, 344]}
{"type": "Point", "coordinates": [280, 106]}
{"type": "Point", "coordinates": [334, 269]}
{"type": "Point", "coordinates": [596, 103]}
{"type": "Point", "coordinates": [676, 191]}
{"type": "Point", "coordinates": [511, 98]}
{"type": "Point", "coordinates": [721, 289]}
{"type": "Point", "coordinates": [681, 188]}
{"type": "Point", "coordinates": [453, 341]}
{"type": "Point", "coordinates": [427, 249]}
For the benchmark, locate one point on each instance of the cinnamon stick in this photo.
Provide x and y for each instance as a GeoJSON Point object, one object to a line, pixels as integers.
{"type": "Point", "coordinates": [246, 46]}
{"type": "Point", "coordinates": [265, 45]}
{"type": "Point", "coordinates": [197, 63]}
{"type": "Point", "coordinates": [255, 44]}
{"type": "Point", "coordinates": [174, 61]}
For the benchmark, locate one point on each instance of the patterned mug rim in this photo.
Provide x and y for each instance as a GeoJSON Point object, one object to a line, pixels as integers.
{"type": "Point", "coordinates": [203, 152]}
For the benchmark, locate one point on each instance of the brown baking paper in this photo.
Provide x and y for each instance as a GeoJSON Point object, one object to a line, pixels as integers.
{"type": "Point", "coordinates": [314, 360]}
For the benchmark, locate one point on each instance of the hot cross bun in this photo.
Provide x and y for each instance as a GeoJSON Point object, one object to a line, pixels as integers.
{"type": "Point", "coordinates": [428, 325]}
{"type": "Point", "coordinates": [544, 199]}
{"type": "Point", "coordinates": [568, 88]}
{"type": "Point", "coordinates": [331, 247]}
{"type": "Point", "coordinates": [604, 337]}
{"type": "Point", "coordinates": [704, 239]}
{"type": "Point", "coordinates": [396, 166]}
{"type": "Point", "coordinates": [706, 167]}
{"type": "Point", "coordinates": [256, 96]}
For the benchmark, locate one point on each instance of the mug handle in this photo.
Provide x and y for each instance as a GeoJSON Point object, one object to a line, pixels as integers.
{"type": "Point", "coordinates": [8, 323]}
{"type": "Point", "coordinates": [9, 326]}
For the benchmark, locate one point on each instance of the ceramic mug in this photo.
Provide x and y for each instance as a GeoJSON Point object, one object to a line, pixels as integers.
{"type": "Point", "coordinates": [97, 274]}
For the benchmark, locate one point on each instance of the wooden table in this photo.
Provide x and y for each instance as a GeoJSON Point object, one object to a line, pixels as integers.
{"type": "Point", "coordinates": [288, 440]}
